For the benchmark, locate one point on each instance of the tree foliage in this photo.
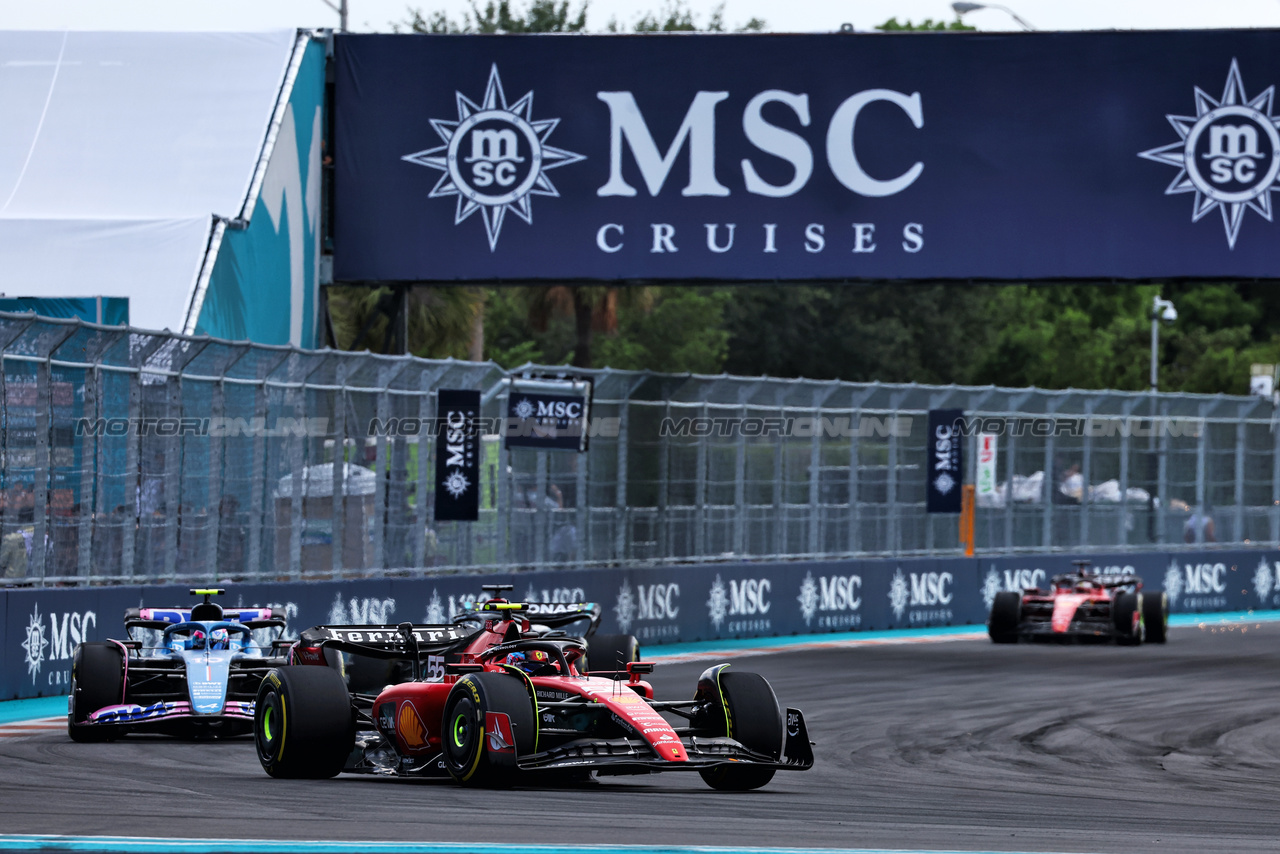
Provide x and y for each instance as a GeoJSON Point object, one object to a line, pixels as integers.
{"type": "Point", "coordinates": [927, 25]}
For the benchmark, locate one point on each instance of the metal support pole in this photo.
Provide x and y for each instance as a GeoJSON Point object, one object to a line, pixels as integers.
{"type": "Point", "coordinates": [213, 485]}
{"type": "Point", "coordinates": [1047, 494]}
{"type": "Point", "coordinates": [815, 485]}
{"type": "Point", "coordinates": [423, 504]}
{"type": "Point", "coordinates": [44, 416]}
{"type": "Point", "coordinates": [854, 520]}
{"type": "Point", "coordinates": [383, 408]}
{"type": "Point", "coordinates": [1086, 469]}
{"type": "Point", "coordinates": [540, 510]}
{"type": "Point", "coordinates": [1162, 474]}
{"type": "Point", "coordinates": [257, 487]}
{"type": "Point", "coordinates": [88, 472]}
{"type": "Point", "coordinates": [338, 481]}
{"type": "Point", "coordinates": [1202, 449]}
{"type": "Point", "coordinates": [740, 488]}
{"type": "Point", "coordinates": [665, 537]}
{"type": "Point", "coordinates": [128, 537]}
{"type": "Point", "coordinates": [1010, 467]}
{"type": "Point", "coordinates": [172, 479]}
{"type": "Point", "coordinates": [1123, 508]}
{"type": "Point", "coordinates": [620, 552]}
{"type": "Point", "coordinates": [700, 491]}
{"type": "Point", "coordinates": [1241, 439]}
{"type": "Point", "coordinates": [891, 497]}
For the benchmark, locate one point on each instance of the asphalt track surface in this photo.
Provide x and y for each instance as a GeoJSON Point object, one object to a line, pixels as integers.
{"type": "Point", "coordinates": [959, 745]}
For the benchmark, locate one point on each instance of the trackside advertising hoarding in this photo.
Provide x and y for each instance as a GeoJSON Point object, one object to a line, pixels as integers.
{"type": "Point", "coordinates": [658, 605]}
{"type": "Point", "coordinates": [1128, 155]}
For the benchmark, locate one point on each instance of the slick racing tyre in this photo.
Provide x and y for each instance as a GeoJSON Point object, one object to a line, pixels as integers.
{"type": "Point", "coordinates": [97, 681]}
{"type": "Point", "coordinates": [1155, 616]}
{"type": "Point", "coordinates": [743, 707]}
{"type": "Point", "coordinates": [303, 727]}
{"type": "Point", "coordinates": [610, 652]}
{"type": "Point", "coordinates": [1006, 613]}
{"type": "Point", "coordinates": [488, 723]}
{"type": "Point", "coordinates": [1124, 614]}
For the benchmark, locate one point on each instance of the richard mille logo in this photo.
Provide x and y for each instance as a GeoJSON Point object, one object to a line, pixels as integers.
{"type": "Point", "coordinates": [494, 158]}
{"type": "Point", "coordinates": [1228, 154]}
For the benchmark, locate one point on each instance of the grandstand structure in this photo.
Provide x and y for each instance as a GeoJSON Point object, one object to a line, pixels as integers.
{"type": "Point", "coordinates": [180, 172]}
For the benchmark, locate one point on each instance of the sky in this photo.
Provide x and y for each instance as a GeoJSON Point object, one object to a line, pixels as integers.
{"type": "Point", "coordinates": [789, 16]}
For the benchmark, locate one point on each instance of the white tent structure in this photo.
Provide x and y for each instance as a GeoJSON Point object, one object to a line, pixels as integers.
{"type": "Point", "coordinates": [125, 159]}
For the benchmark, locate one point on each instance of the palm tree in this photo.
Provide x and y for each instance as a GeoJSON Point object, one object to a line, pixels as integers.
{"type": "Point", "coordinates": [442, 321]}
{"type": "Point", "coordinates": [594, 308]}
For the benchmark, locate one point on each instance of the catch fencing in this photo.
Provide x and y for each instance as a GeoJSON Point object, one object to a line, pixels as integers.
{"type": "Point", "coordinates": [130, 456]}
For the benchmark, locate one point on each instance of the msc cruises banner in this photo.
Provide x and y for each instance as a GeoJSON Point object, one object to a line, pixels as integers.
{"type": "Point", "coordinates": [788, 157]}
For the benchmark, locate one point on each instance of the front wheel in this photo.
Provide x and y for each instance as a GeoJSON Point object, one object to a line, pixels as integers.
{"type": "Point", "coordinates": [97, 681]}
{"type": "Point", "coordinates": [1124, 612]}
{"type": "Point", "coordinates": [1006, 613]}
{"type": "Point", "coordinates": [1155, 617]}
{"type": "Point", "coordinates": [744, 708]}
{"type": "Point", "coordinates": [488, 723]}
{"type": "Point", "coordinates": [302, 723]}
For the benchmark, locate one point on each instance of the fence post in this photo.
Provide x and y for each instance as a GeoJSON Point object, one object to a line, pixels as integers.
{"type": "Point", "coordinates": [700, 490]}
{"type": "Point", "coordinates": [1202, 447]}
{"type": "Point", "coordinates": [128, 539]}
{"type": "Point", "coordinates": [740, 481]}
{"type": "Point", "coordinates": [664, 482]}
{"type": "Point", "coordinates": [1123, 508]}
{"type": "Point", "coordinates": [217, 410]}
{"type": "Point", "coordinates": [172, 472]}
{"type": "Point", "coordinates": [620, 493]}
{"type": "Point", "coordinates": [815, 485]}
{"type": "Point", "coordinates": [338, 495]}
{"type": "Point", "coordinates": [88, 448]}
{"type": "Point", "coordinates": [44, 405]}
{"type": "Point", "coordinates": [257, 482]}
{"type": "Point", "coordinates": [1241, 438]}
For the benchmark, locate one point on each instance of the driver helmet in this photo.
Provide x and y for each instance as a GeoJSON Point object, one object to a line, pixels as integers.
{"type": "Point", "coordinates": [529, 660]}
{"type": "Point", "coordinates": [219, 639]}
{"type": "Point", "coordinates": [197, 639]}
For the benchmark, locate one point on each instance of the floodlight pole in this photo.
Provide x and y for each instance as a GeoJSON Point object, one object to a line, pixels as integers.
{"type": "Point", "coordinates": [961, 8]}
{"type": "Point", "coordinates": [341, 9]}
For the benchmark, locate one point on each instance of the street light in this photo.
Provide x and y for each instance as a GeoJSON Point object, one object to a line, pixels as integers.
{"type": "Point", "coordinates": [1161, 309]}
{"type": "Point", "coordinates": [341, 8]}
{"type": "Point", "coordinates": [961, 8]}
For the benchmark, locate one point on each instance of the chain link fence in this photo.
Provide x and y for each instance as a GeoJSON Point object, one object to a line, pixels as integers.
{"type": "Point", "coordinates": [131, 456]}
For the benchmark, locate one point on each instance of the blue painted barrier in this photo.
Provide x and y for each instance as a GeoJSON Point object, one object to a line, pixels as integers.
{"type": "Point", "coordinates": [660, 605]}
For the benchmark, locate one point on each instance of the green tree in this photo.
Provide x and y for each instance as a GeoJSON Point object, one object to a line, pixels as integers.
{"type": "Point", "coordinates": [927, 25]}
{"type": "Point", "coordinates": [441, 323]}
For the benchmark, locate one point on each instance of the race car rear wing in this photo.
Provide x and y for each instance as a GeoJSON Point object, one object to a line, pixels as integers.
{"type": "Point", "coordinates": [160, 618]}
{"type": "Point", "coordinates": [387, 641]}
{"type": "Point", "coordinates": [553, 615]}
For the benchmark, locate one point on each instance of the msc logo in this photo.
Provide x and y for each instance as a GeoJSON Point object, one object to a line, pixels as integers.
{"type": "Point", "coordinates": [1015, 580]}
{"type": "Point", "coordinates": [494, 158]}
{"type": "Point", "coordinates": [647, 602]}
{"type": "Point", "coordinates": [1228, 154]}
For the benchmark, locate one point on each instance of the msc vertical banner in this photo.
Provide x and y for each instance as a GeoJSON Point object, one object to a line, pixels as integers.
{"type": "Point", "coordinates": [945, 451]}
{"type": "Point", "coordinates": [458, 457]}
{"type": "Point", "coordinates": [1120, 155]}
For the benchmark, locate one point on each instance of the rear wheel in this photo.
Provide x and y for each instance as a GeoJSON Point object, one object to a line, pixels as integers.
{"type": "Point", "coordinates": [1155, 616]}
{"type": "Point", "coordinates": [750, 715]}
{"type": "Point", "coordinates": [480, 748]}
{"type": "Point", "coordinates": [302, 723]}
{"type": "Point", "coordinates": [97, 681]}
{"type": "Point", "coordinates": [611, 652]}
{"type": "Point", "coordinates": [1124, 613]}
{"type": "Point", "coordinates": [1006, 613]}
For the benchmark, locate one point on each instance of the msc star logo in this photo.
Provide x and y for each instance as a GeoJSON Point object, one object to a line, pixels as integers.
{"type": "Point", "coordinates": [494, 158]}
{"type": "Point", "coordinates": [456, 484]}
{"type": "Point", "coordinates": [718, 603]}
{"type": "Point", "coordinates": [1228, 154]}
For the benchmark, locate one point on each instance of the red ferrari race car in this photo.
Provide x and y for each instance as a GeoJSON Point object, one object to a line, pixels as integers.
{"type": "Point", "coordinates": [503, 703]}
{"type": "Point", "coordinates": [1081, 605]}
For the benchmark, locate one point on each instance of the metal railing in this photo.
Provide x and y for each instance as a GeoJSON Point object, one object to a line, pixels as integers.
{"type": "Point", "coordinates": [128, 455]}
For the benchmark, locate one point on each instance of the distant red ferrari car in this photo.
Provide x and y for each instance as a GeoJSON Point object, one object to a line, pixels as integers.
{"type": "Point", "coordinates": [502, 702]}
{"type": "Point", "coordinates": [1081, 605]}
